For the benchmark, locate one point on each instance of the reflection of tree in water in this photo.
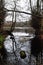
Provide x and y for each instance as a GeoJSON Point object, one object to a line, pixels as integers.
{"type": "Point", "coordinates": [20, 47]}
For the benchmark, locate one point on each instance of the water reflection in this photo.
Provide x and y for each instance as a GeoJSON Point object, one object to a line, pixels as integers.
{"type": "Point", "coordinates": [23, 43]}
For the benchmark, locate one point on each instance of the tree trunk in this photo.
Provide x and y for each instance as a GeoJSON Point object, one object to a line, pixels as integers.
{"type": "Point", "coordinates": [2, 14]}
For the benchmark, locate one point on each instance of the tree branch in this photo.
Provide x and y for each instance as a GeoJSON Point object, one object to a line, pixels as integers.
{"type": "Point", "coordinates": [23, 12]}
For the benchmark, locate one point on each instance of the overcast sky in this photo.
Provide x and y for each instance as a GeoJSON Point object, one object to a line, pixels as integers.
{"type": "Point", "coordinates": [21, 5]}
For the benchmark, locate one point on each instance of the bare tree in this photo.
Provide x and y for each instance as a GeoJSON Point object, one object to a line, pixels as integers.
{"type": "Point", "coordinates": [36, 21]}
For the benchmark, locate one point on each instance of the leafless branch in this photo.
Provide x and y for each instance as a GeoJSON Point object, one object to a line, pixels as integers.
{"type": "Point", "coordinates": [23, 12]}
{"type": "Point", "coordinates": [30, 5]}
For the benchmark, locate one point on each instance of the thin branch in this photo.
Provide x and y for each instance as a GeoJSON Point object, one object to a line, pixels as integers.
{"type": "Point", "coordinates": [12, 22]}
{"type": "Point", "coordinates": [30, 5]}
{"type": "Point", "coordinates": [24, 13]}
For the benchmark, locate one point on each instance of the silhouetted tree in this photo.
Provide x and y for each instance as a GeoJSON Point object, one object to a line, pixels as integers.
{"type": "Point", "coordinates": [36, 21]}
{"type": "Point", "coordinates": [2, 13]}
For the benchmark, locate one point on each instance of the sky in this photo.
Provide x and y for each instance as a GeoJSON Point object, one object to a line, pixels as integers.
{"type": "Point", "coordinates": [21, 5]}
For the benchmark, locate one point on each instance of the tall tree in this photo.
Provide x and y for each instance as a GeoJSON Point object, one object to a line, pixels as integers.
{"type": "Point", "coordinates": [36, 21]}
